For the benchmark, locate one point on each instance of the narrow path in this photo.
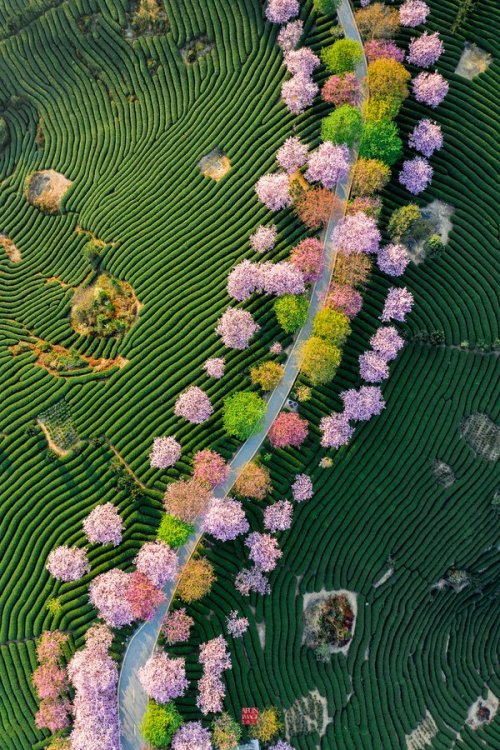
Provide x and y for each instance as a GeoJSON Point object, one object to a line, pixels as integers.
{"type": "Point", "coordinates": [132, 699]}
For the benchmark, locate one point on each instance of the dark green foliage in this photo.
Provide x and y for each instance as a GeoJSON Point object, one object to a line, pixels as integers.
{"type": "Point", "coordinates": [380, 140]}
{"type": "Point", "coordinates": [4, 133]}
{"type": "Point", "coordinates": [326, 7]}
{"type": "Point", "coordinates": [343, 125]}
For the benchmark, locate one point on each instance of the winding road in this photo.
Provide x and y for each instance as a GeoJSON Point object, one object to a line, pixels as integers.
{"type": "Point", "coordinates": [132, 699]}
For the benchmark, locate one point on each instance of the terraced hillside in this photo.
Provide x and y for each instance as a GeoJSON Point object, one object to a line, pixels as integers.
{"type": "Point", "coordinates": [381, 524]}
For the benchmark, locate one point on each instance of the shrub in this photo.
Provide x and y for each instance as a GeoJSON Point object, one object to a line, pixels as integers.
{"type": "Point", "coordinates": [326, 7]}
{"type": "Point", "coordinates": [4, 133]}
{"type": "Point", "coordinates": [267, 375]}
{"type": "Point", "coordinates": [160, 723]}
{"type": "Point", "coordinates": [173, 531]}
{"type": "Point", "coordinates": [380, 140]}
{"type": "Point", "coordinates": [403, 221]}
{"type": "Point", "coordinates": [254, 481]}
{"type": "Point", "coordinates": [319, 360]}
{"type": "Point", "coordinates": [242, 413]}
{"type": "Point", "coordinates": [388, 79]}
{"type": "Point", "coordinates": [378, 21]}
{"type": "Point", "coordinates": [343, 125]}
{"type": "Point", "coordinates": [268, 726]}
{"type": "Point", "coordinates": [331, 325]}
{"type": "Point", "coordinates": [342, 56]}
{"type": "Point", "coordinates": [196, 580]}
{"type": "Point", "coordinates": [226, 732]}
{"type": "Point", "coordinates": [291, 312]}
{"type": "Point", "coordinates": [314, 207]}
{"type": "Point", "coordinates": [369, 176]}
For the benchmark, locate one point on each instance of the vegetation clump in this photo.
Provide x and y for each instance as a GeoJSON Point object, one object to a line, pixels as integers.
{"type": "Point", "coordinates": [106, 308]}
{"type": "Point", "coordinates": [160, 723]}
{"type": "Point", "coordinates": [329, 623]}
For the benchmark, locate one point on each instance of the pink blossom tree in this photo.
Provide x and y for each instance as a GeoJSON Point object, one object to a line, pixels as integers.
{"type": "Point", "coordinates": [176, 626]}
{"type": "Point", "coordinates": [362, 404]}
{"type": "Point", "coordinates": [192, 736]}
{"type": "Point", "coordinates": [210, 468]}
{"type": "Point", "coordinates": [430, 88]}
{"type": "Point", "coordinates": [292, 155]}
{"type": "Point", "coordinates": [273, 190]}
{"type": "Point", "coordinates": [373, 368]}
{"type": "Point", "coordinates": [278, 516]}
{"type": "Point", "coordinates": [251, 580]}
{"type": "Point", "coordinates": [341, 89]}
{"type": "Point", "coordinates": [214, 367]}
{"type": "Point", "coordinates": [225, 519]}
{"type": "Point", "coordinates": [163, 678]}
{"type": "Point", "coordinates": [425, 50]}
{"type": "Point", "coordinates": [328, 164]}
{"type": "Point", "coordinates": [281, 11]}
{"type": "Point", "coordinates": [143, 596]}
{"type": "Point", "coordinates": [387, 342]}
{"type": "Point", "coordinates": [166, 452]}
{"type": "Point", "coordinates": [289, 35]}
{"type": "Point", "coordinates": [393, 259]}
{"type": "Point", "coordinates": [264, 238]}
{"type": "Point", "coordinates": [157, 561]}
{"type": "Point", "coordinates": [336, 431]}
{"type": "Point", "coordinates": [282, 278]}
{"type": "Point", "coordinates": [398, 304]}
{"type": "Point", "coordinates": [416, 174]}
{"type": "Point", "coordinates": [53, 715]}
{"type": "Point", "coordinates": [377, 48]}
{"type": "Point", "coordinates": [104, 525]}
{"type": "Point", "coordinates": [236, 626]}
{"type": "Point", "coordinates": [357, 233]}
{"type": "Point", "coordinates": [301, 62]}
{"type": "Point", "coordinates": [215, 658]}
{"type": "Point", "coordinates": [108, 594]}
{"type": "Point", "coordinates": [49, 680]}
{"type": "Point", "coordinates": [194, 405]}
{"type": "Point", "coordinates": [264, 551]}
{"type": "Point", "coordinates": [236, 328]}
{"type": "Point", "coordinates": [413, 13]}
{"type": "Point", "coordinates": [307, 256]}
{"type": "Point", "coordinates": [345, 299]}
{"type": "Point", "coordinates": [302, 488]}
{"type": "Point", "coordinates": [276, 348]}
{"type": "Point", "coordinates": [244, 280]}
{"type": "Point", "coordinates": [288, 429]}
{"type": "Point", "coordinates": [298, 93]}
{"type": "Point", "coordinates": [68, 563]}
{"type": "Point", "coordinates": [426, 137]}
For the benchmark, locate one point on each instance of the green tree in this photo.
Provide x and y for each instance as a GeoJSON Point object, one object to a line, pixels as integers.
{"type": "Point", "coordinates": [406, 224]}
{"type": "Point", "coordinates": [380, 140]}
{"type": "Point", "coordinates": [160, 723]}
{"type": "Point", "coordinates": [319, 360]}
{"type": "Point", "coordinates": [343, 125]}
{"type": "Point", "coordinates": [173, 531]}
{"type": "Point", "coordinates": [382, 108]}
{"type": "Point", "coordinates": [242, 413]}
{"type": "Point", "coordinates": [388, 79]}
{"type": "Point", "coordinates": [342, 56]}
{"type": "Point", "coordinates": [369, 176]}
{"type": "Point", "coordinates": [331, 325]}
{"type": "Point", "coordinates": [4, 133]}
{"type": "Point", "coordinates": [326, 7]}
{"type": "Point", "coordinates": [291, 311]}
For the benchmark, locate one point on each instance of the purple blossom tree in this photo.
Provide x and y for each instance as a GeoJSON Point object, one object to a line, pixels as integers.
{"type": "Point", "coordinates": [416, 174]}
{"type": "Point", "coordinates": [426, 137]}
{"type": "Point", "coordinates": [264, 238]}
{"type": "Point", "coordinates": [108, 594]}
{"type": "Point", "coordinates": [357, 233]}
{"type": "Point", "coordinates": [281, 278]}
{"type": "Point", "coordinates": [345, 299]}
{"type": "Point", "coordinates": [176, 626]}
{"type": "Point", "coordinates": [298, 93]}
{"type": "Point", "coordinates": [336, 431]}
{"type": "Point", "coordinates": [425, 50]}
{"type": "Point", "coordinates": [362, 404]}
{"type": "Point", "coordinates": [252, 579]}
{"type": "Point", "coordinates": [387, 342]}
{"type": "Point", "coordinates": [292, 155]}
{"type": "Point", "coordinates": [158, 562]}
{"type": "Point", "coordinates": [301, 62]}
{"type": "Point", "coordinates": [307, 256]}
{"type": "Point", "coordinates": [162, 678]}
{"type": "Point", "coordinates": [289, 35]}
{"type": "Point", "coordinates": [214, 367]}
{"type": "Point", "coordinates": [430, 88]}
{"type": "Point", "coordinates": [236, 328]}
{"type": "Point", "coordinates": [281, 745]}
{"type": "Point", "coordinates": [398, 304]}
{"type": "Point", "coordinates": [166, 452]}
{"type": "Point", "coordinates": [328, 164]}
{"type": "Point", "coordinates": [225, 519]}
{"type": "Point", "coordinates": [68, 563]}
{"type": "Point", "coordinates": [215, 658]}
{"type": "Point", "coordinates": [236, 626]}
{"type": "Point", "coordinates": [302, 488]}
{"type": "Point", "coordinates": [377, 48]}
{"type": "Point", "coordinates": [280, 11]}
{"type": "Point", "coordinates": [273, 190]}
{"type": "Point", "coordinates": [393, 259]}
{"type": "Point", "coordinates": [278, 516]}
{"type": "Point", "coordinates": [104, 525]}
{"type": "Point", "coordinates": [244, 280]}
{"type": "Point", "coordinates": [413, 13]}
{"type": "Point", "coordinates": [373, 368]}
{"type": "Point", "coordinates": [192, 736]}
{"type": "Point", "coordinates": [194, 405]}
{"type": "Point", "coordinates": [264, 551]}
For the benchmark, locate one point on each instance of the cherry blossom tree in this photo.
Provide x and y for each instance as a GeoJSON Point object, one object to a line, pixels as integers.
{"type": "Point", "coordinates": [416, 174]}
{"type": "Point", "coordinates": [398, 304]}
{"type": "Point", "coordinates": [362, 404]}
{"type": "Point", "coordinates": [108, 594]}
{"type": "Point", "coordinates": [425, 50]}
{"type": "Point", "coordinates": [387, 342]}
{"type": "Point", "coordinates": [336, 431]}
{"type": "Point", "coordinates": [377, 48]}
{"type": "Point", "coordinates": [236, 328]}
{"type": "Point", "coordinates": [236, 626]}
{"type": "Point", "coordinates": [210, 468]}
{"type": "Point", "coordinates": [157, 561]}
{"type": "Point", "coordinates": [393, 259]}
{"type": "Point", "coordinates": [426, 137]}
{"type": "Point", "coordinates": [289, 35]}
{"type": "Point", "coordinates": [194, 405]}
{"type": "Point", "coordinates": [341, 89]}
{"type": "Point", "coordinates": [276, 348]}
{"type": "Point", "coordinates": [302, 488]}
{"type": "Point", "coordinates": [143, 596]}
{"type": "Point", "coordinates": [370, 205]}
{"type": "Point", "coordinates": [53, 715]}
{"type": "Point", "coordinates": [252, 579]}
{"type": "Point", "coordinates": [166, 452]}
{"type": "Point", "coordinates": [68, 563]}
{"type": "Point", "coordinates": [192, 736]}
{"type": "Point", "coordinates": [357, 234]}
{"type": "Point", "coordinates": [104, 525]}
{"type": "Point", "coordinates": [288, 429]}
{"type": "Point", "coordinates": [163, 678]}
{"type": "Point", "coordinates": [176, 626]}
{"type": "Point", "coordinates": [245, 279]}
{"type": "Point", "coordinates": [413, 13]}
{"type": "Point", "coordinates": [186, 499]}
{"type": "Point", "coordinates": [307, 256]}
{"type": "Point", "coordinates": [373, 368]}
{"type": "Point", "coordinates": [430, 88]}
{"type": "Point", "coordinates": [214, 367]}
{"type": "Point", "coordinates": [298, 93]}
{"type": "Point", "coordinates": [225, 519]}
{"type": "Point", "coordinates": [215, 658]}
{"type": "Point", "coordinates": [281, 278]}
{"type": "Point", "coordinates": [50, 645]}
{"type": "Point", "coordinates": [281, 11]}
{"type": "Point", "coordinates": [264, 238]}
{"type": "Point", "coordinates": [273, 190]}
{"type": "Point", "coordinates": [264, 550]}
{"type": "Point", "coordinates": [292, 155]}
{"type": "Point", "coordinates": [345, 299]}
{"type": "Point", "coordinates": [301, 62]}
{"type": "Point", "coordinates": [49, 680]}
{"type": "Point", "coordinates": [278, 516]}
{"type": "Point", "coordinates": [328, 165]}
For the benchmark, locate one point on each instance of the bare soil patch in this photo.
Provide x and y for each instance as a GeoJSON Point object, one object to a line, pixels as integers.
{"type": "Point", "coordinates": [312, 605]}
{"type": "Point", "coordinates": [108, 307]}
{"type": "Point", "coordinates": [473, 61]}
{"type": "Point", "coordinates": [60, 361]}
{"type": "Point", "coordinates": [482, 435]}
{"type": "Point", "coordinates": [215, 165]}
{"type": "Point", "coordinates": [46, 189]}
{"type": "Point", "coordinates": [13, 253]}
{"type": "Point", "coordinates": [482, 711]}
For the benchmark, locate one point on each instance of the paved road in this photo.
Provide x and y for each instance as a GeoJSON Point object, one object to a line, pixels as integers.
{"type": "Point", "coordinates": [132, 699]}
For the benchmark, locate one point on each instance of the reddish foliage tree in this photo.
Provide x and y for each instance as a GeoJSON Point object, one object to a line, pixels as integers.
{"type": "Point", "coordinates": [314, 207]}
